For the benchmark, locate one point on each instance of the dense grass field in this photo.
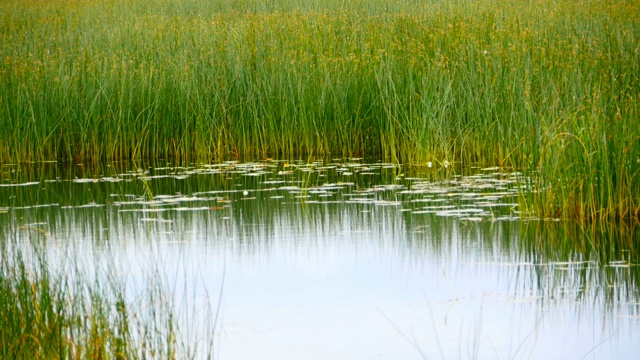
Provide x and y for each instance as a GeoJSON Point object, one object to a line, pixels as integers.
{"type": "Point", "coordinates": [548, 87]}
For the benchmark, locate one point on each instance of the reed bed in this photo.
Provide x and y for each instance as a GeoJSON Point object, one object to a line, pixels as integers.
{"type": "Point", "coordinates": [53, 310]}
{"type": "Point", "coordinates": [551, 87]}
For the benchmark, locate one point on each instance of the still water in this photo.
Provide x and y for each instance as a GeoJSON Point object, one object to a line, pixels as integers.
{"type": "Point", "coordinates": [343, 259]}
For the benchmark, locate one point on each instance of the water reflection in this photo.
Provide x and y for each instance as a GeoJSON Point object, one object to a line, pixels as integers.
{"type": "Point", "coordinates": [346, 259]}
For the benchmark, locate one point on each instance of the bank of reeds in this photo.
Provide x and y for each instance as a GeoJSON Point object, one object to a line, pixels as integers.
{"type": "Point", "coordinates": [551, 87]}
{"type": "Point", "coordinates": [62, 314]}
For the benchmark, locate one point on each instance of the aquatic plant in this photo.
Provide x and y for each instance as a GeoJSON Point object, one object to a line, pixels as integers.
{"type": "Point", "coordinates": [50, 309]}
{"type": "Point", "coordinates": [550, 87]}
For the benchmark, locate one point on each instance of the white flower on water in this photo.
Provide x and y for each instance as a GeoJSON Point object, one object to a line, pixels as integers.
{"type": "Point", "coordinates": [429, 164]}
{"type": "Point", "coordinates": [245, 193]}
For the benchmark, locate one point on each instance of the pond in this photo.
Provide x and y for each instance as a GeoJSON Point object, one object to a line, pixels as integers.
{"type": "Point", "coordinates": [342, 259]}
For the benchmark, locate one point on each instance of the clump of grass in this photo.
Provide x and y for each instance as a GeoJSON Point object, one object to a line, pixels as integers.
{"type": "Point", "coordinates": [47, 314]}
{"type": "Point", "coordinates": [551, 87]}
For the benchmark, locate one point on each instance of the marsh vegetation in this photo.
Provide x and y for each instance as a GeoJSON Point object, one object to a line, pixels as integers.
{"type": "Point", "coordinates": [53, 307]}
{"type": "Point", "coordinates": [548, 87]}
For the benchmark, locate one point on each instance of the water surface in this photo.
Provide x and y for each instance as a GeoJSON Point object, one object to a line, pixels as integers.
{"type": "Point", "coordinates": [342, 259]}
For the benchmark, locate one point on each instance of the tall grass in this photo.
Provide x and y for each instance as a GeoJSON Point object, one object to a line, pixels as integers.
{"type": "Point", "coordinates": [548, 86]}
{"type": "Point", "coordinates": [63, 314]}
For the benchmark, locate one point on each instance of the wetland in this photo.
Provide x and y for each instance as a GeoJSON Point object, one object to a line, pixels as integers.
{"type": "Point", "coordinates": [469, 182]}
